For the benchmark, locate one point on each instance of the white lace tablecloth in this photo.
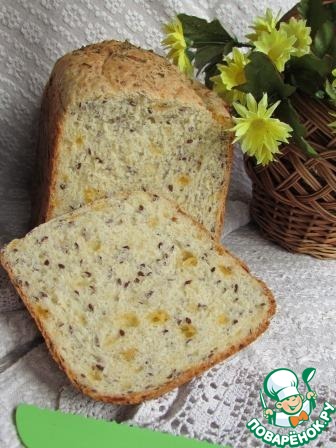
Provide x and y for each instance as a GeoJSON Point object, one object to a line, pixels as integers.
{"type": "Point", "coordinates": [216, 406]}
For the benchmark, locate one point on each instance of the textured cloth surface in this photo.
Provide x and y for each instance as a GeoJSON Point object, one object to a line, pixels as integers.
{"type": "Point", "coordinates": [217, 405]}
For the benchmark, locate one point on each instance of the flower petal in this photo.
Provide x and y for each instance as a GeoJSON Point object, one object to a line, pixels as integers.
{"type": "Point", "coordinates": [259, 134]}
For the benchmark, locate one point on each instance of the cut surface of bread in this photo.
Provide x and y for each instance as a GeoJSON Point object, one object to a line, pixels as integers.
{"type": "Point", "coordinates": [118, 118]}
{"type": "Point", "coordinates": [134, 297]}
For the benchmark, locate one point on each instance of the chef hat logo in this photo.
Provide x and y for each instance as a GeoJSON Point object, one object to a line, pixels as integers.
{"type": "Point", "coordinates": [281, 384]}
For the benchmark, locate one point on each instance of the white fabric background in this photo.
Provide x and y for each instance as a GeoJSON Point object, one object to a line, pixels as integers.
{"type": "Point", "coordinates": [33, 34]}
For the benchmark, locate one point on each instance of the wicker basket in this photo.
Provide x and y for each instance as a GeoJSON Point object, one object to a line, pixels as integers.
{"type": "Point", "coordinates": [294, 198]}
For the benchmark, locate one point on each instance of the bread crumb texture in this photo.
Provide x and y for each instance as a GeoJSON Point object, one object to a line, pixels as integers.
{"type": "Point", "coordinates": [120, 132]}
{"type": "Point", "coordinates": [129, 307]}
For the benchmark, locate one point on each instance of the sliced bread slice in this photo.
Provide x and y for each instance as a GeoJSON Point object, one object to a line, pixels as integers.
{"type": "Point", "coordinates": [134, 297]}
{"type": "Point", "coordinates": [116, 117]}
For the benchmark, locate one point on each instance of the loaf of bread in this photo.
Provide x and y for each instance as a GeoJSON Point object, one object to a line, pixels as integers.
{"type": "Point", "coordinates": [134, 297]}
{"type": "Point", "coordinates": [115, 117]}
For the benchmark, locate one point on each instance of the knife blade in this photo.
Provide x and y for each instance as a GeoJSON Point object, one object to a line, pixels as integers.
{"type": "Point", "coordinates": [262, 399]}
{"type": "Point", "coordinates": [264, 406]}
{"type": "Point", "coordinates": [41, 428]}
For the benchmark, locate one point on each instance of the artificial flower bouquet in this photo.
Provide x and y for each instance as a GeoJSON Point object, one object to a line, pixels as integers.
{"type": "Point", "coordinates": [280, 84]}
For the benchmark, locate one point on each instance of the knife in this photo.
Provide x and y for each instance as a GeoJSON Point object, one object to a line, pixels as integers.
{"type": "Point", "coordinates": [263, 404]}
{"type": "Point", "coordinates": [41, 428]}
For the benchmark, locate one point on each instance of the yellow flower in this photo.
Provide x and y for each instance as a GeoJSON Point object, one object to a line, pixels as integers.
{"type": "Point", "coordinates": [259, 134]}
{"type": "Point", "coordinates": [277, 45]}
{"type": "Point", "coordinates": [267, 23]}
{"type": "Point", "coordinates": [175, 41]}
{"type": "Point", "coordinates": [232, 74]}
{"type": "Point", "coordinates": [301, 32]}
{"type": "Point", "coordinates": [228, 95]}
{"type": "Point", "coordinates": [334, 81]}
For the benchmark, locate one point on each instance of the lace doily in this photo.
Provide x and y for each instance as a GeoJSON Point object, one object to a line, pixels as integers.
{"type": "Point", "coordinates": [33, 379]}
{"type": "Point", "coordinates": [216, 406]}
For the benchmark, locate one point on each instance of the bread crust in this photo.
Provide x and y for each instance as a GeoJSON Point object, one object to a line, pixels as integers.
{"type": "Point", "coordinates": [224, 192]}
{"type": "Point", "coordinates": [104, 70]}
{"type": "Point", "coordinates": [50, 131]}
{"type": "Point", "coordinates": [215, 104]}
{"type": "Point", "coordinates": [138, 397]}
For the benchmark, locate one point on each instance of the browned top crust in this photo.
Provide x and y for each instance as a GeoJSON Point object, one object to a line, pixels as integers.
{"type": "Point", "coordinates": [113, 68]}
{"type": "Point", "coordinates": [101, 71]}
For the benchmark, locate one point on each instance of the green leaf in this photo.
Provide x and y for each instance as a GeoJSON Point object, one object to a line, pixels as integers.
{"type": "Point", "coordinates": [303, 144]}
{"type": "Point", "coordinates": [331, 8]}
{"type": "Point", "coordinates": [228, 47]}
{"type": "Point", "coordinates": [315, 14]}
{"type": "Point", "coordinates": [311, 63]}
{"type": "Point", "coordinates": [210, 71]}
{"type": "Point", "coordinates": [308, 72]}
{"type": "Point", "coordinates": [323, 39]}
{"type": "Point", "coordinates": [190, 54]}
{"type": "Point", "coordinates": [263, 77]}
{"type": "Point", "coordinates": [332, 52]}
{"type": "Point", "coordinates": [286, 113]}
{"type": "Point", "coordinates": [206, 54]}
{"type": "Point", "coordinates": [331, 92]}
{"type": "Point", "coordinates": [211, 54]}
{"type": "Point", "coordinates": [201, 32]}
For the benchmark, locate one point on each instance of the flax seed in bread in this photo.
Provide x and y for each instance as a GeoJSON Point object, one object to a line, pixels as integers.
{"type": "Point", "coordinates": [134, 297]}
{"type": "Point", "coordinates": [115, 117]}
